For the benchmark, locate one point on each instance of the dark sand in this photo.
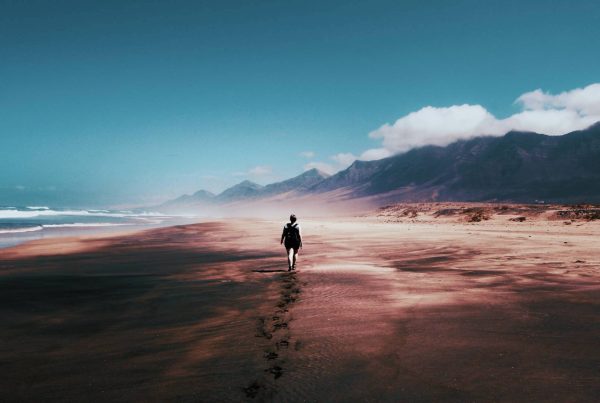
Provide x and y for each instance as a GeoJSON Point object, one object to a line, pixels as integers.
{"type": "Point", "coordinates": [409, 311]}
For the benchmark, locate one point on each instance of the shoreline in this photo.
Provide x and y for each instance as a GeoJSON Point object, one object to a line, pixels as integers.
{"type": "Point", "coordinates": [12, 239]}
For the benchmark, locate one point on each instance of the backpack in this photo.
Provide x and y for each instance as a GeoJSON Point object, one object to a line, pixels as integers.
{"type": "Point", "coordinates": [292, 234]}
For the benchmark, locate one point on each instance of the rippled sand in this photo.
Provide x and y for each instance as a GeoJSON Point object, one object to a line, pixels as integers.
{"type": "Point", "coordinates": [404, 311]}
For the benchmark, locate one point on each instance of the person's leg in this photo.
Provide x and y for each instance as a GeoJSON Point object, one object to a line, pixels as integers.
{"type": "Point", "coordinates": [289, 257]}
{"type": "Point", "coordinates": [295, 257]}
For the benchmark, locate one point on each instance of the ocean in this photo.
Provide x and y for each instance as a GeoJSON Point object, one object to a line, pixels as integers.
{"type": "Point", "coordinates": [21, 224]}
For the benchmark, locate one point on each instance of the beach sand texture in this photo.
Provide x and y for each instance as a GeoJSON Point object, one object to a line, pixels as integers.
{"type": "Point", "coordinates": [410, 310]}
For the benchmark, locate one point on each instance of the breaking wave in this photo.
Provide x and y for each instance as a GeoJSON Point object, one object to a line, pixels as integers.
{"type": "Point", "coordinates": [20, 230]}
{"type": "Point", "coordinates": [33, 211]}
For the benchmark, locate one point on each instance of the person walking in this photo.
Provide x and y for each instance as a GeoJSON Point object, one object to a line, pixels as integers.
{"type": "Point", "coordinates": [292, 239]}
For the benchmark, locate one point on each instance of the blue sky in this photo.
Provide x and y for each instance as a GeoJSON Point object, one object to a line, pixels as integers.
{"type": "Point", "coordinates": [109, 103]}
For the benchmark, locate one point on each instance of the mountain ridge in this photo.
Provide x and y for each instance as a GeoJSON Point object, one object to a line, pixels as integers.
{"type": "Point", "coordinates": [519, 166]}
{"type": "Point", "coordinates": [247, 189]}
{"type": "Point", "coordinates": [515, 167]}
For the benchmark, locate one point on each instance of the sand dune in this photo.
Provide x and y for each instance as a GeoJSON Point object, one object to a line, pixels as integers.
{"type": "Point", "coordinates": [389, 307]}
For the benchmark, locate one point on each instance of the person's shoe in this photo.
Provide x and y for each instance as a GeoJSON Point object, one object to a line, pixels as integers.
{"type": "Point", "coordinates": [290, 268]}
{"type": "Point", "coordinates": [294, 266]}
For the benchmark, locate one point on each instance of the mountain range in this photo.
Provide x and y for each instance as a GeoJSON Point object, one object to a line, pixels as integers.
{"type": "Point", "coordinates": [517, 167]}
{"type": "Point", "coordinates": [247, 190]}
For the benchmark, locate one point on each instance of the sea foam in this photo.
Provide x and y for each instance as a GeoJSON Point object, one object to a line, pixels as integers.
{"type": "Point", "coordinates": [30, 213]}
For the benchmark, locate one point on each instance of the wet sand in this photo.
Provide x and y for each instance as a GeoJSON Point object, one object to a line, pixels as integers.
{"type": "Point", "coordinates": [413, 310]}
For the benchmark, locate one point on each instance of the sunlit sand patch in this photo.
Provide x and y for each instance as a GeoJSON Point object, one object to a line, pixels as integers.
{"type": "Point", "coordinates": [444, 288]}
{"type": "Point", "coordinates": [57, 246]}
{"type": "Point", "coordinates": [351, 267]}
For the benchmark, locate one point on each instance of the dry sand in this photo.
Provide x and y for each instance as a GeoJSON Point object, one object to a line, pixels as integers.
{"type": "Point", "coordinates": [418, 309]}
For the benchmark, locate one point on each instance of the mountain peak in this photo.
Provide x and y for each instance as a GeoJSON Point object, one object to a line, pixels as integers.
{"type": "Point", "coordinates": [204, 194]}
{"type": "Point", "coordinates": [595, 126]}
{"type": "Point", "coordinates": [200, 197]}
{"type": "Point", "coordinates": [247, 183]}
{"type": "Point", "coordinates": [298, 183]}
{"type": "Point", "coordinates": [241, 190]}
{"type": "Point", "coordinates": [314, 172]}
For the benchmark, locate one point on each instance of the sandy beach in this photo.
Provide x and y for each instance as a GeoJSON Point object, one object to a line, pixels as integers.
{"type": "Point", "coordinates": [383, 307]}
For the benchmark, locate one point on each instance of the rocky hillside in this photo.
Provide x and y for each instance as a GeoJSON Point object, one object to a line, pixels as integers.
{"type": "Point", "coordinates": [521, 167]}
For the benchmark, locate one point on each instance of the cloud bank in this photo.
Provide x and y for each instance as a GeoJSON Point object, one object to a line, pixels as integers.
{"type": "Point", "coordinates": [541, 112]}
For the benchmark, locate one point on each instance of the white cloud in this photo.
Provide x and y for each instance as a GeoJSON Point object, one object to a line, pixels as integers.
{"type": "Point", "coordinates": [375, 154]}
{"type": "Point", "coordinates": [586, 101]}
{"type": "Point", "coordinates": [542, 113]}
{"type": "Point", "coordinates": [436, 126]}
{"type": "Point", "coordinates": [344, 159]}
{"type": "Point", "coordinates": [321, 166]}
{"type": "Point", "coordinates": [257, 171]}
{"type": "Point", "coordinates": [338, 162]}
{"type": "Point", "coordinates": [261, 170]}
{"type": "Point", "coordinates": [548, 121]}
{"type": "Point", "coordinates": [307, 154]}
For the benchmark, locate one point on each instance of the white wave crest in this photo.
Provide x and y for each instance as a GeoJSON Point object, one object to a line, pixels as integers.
{"type": "Point", "coordinates": [6, 213]}
{"type": "Point", "coordinates": [19, 230]}
{"type": "Point", "coordinates": [70, 225]}
{"type": "Point", "coordinates": [81, 225]}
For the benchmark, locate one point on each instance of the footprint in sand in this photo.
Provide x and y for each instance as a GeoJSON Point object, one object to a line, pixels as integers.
{"type": "Point", "coordinates": [276, 370]}
{"type": "Point", "coordinates": [290, 289]}
{"type": "Point", "coordinates": [269, 355]}
{"type": "Point", "coordinates": [282, 344]}
{"type": "Point", "coordinates": [262, 330]}
{"type": "Point", "coordinates": [252, 390]}
{"type": "Point", "coordinates": [278, 326]}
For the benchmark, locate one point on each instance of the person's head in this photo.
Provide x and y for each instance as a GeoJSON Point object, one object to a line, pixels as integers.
{"type": "Point", "coordinates": [293, 218]}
